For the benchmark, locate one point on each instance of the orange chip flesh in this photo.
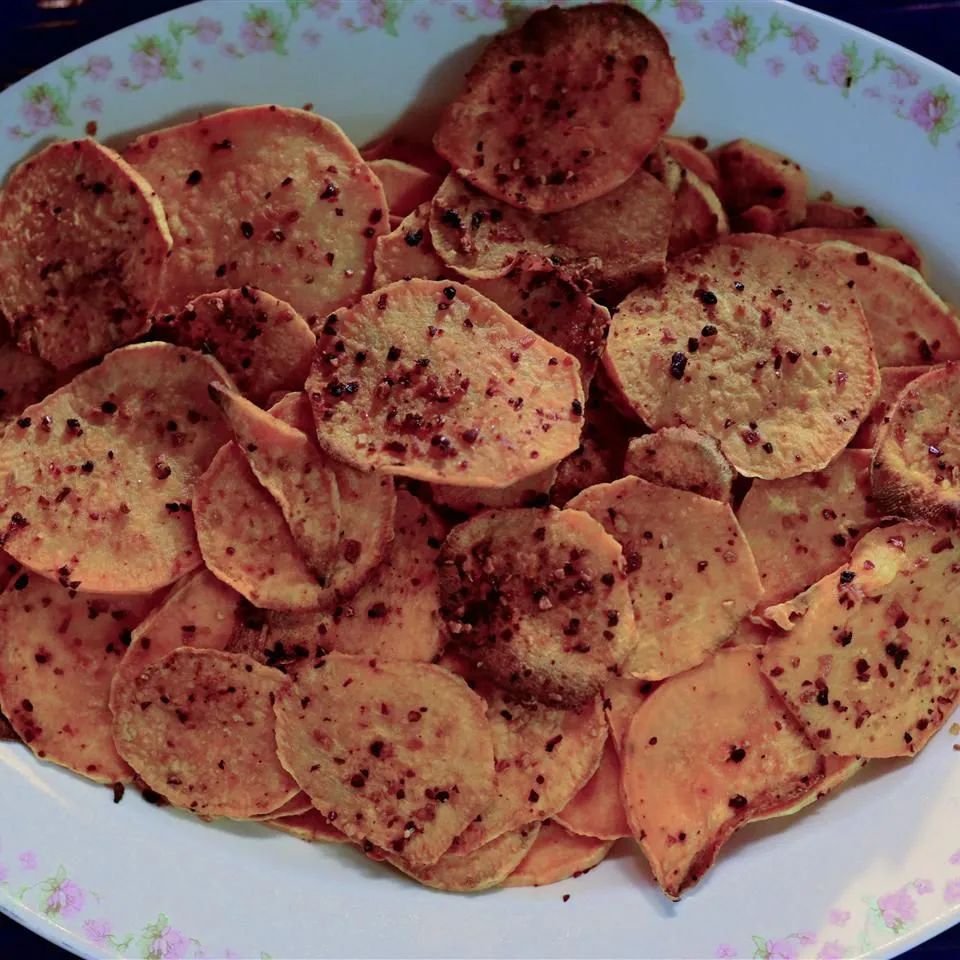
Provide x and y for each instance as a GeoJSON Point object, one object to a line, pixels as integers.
{"type": "Point", "coordinates": [198, 727]}
{"type": "Point", "coordinates": [698, 215]}
{"type": "Point", "coordinates": [310, 826]}
{"type": "Point", "coordinates": [690, 571]}
{"type": "Point", "coordinates": [490, 404]}
{"type": "Point", "coordinates": [579, 73]}
{"type": "Point", "coordinates": [833, 216]}
{"type": "Point", "coordinates": [407, 252]}
{"type": "Point", "coordinates": [395, 753]}
{"type": "Point", "coordinates": [557, 854]}
{"type": "Point", "coordinates": [597, 810]}
{"type": "Point", "coordinates": [297, 806]}
{"type": "Point", "coordinates": [252, 197]}
{"type": "Point", "coordinates": [916, 463]}
{"type": "Point", "coordinates": [836, 772]}
{"type": "Point", "coordinates": [681, 458]}
{"type": "Point", "coordinates": [404, 185]}
{"type": "Point", "coordinates": [883, 240]}
{"type": "Point", "coordinates": [91, 243]}
{"type": "Point", "coordinates": [25, 379]}
{"type": "Point", "coordinates": [709, 750]}
{"type": "Point", "coordinates": [531, 492]}
{"type": "Point", "coordinates": [57, 657]}
{"type": "Point", "coordinates": [780, 372]}
{"type": "Point", "coordinates": [909, 322]}
{"type": "Point", "coordinates": [892, 381]}
{"type": "Point", "coordinates": [262, 342]}
{"type": "Point", "coordinates": [621, 698]}
{"type": "Point", "coordinates": [99, 476]}
{"type": "Point", "coordinates": [560, 618]}
{"type": "Point", "coordinates": [694, 159]}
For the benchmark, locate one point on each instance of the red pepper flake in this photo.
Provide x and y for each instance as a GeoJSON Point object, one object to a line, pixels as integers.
{"type": "Point", "coordinates": [553, 742]}
{"type": "Point", "coordinates": [709, 331]}
{"type": "Point", "coordinates": [678, 364]}
{"type": "Point", "coordinates": [377, 611]}
{"type": "Point", "coordinates": [706, 297]}
{"type": "Point", "coordinates": [863, 259]}
{"type": "Point", "coordinates": [738, 801]}
{"type": "Point", "coordinates": [413, 238]}
{"type": "Point", "coordinates": [194, 177]}
{"type": "Point", "coordinates": [246, 228]}
{"type": "Point", "coordinates": [737, 754]}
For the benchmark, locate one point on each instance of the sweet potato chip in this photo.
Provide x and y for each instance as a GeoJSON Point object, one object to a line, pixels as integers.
{"type": "Point", "coordinates": [916, 463]}
{"type": "Point", "coordinates": [869, 665]}
{"type": "Point", "coordinates": [557, 854]}
{"type": "Point", "coordinates": [85, 245]}
{"type": "Point", "coordinates": [268, 197]}
{"type": "Point", "coordinates": [597, 810]}
{"type": "Point", "coordinates": [883, 240]}
{"type": "Point", "coordinates": [834, 216]}
{"type": "Point", "coordinates": [99, 476]}
{"type": "Point", "coordinates": [690, 571]}
{"type": "Point", "coordinates": [681, 458]}
{"type": "Point", "coordinates": [58, 653]}
{"type": "Point", "coordinates": [709, 750]}
{"type": "Point", "coordinates": [533, 491]}
{"type": "Point", "coordinates": [407, 252]}
{"type": "Point", "coordinates": [198, 727]}
{"type": "Point", "coordinates": [755, 341]}
{"type": "Point", "coordinates": [404, 185]}
{"type": "Point", "coordinates": [397, 754]}
{"type": "Point", "coordinates": [802, 528]}
{"type": "Point", "coordinates": [298, 805]}
{"type": "Point", "coordinates": [690, 156]}
{"type": "Point", "coordinates": [311, 826]}
{"type": "Point", "coordinates": [534, 125]}
{"type": "Point", "coordinates": [621, 698]}
{"type": "Point", "coordinates": [909, 322]}
{"type": "Point", "coordinates": [538, 601]}
{"type": "Point", "coordinates": [698, 215]}
{"type": "Point", "coordinates": [433, 381]}
{"type": "Point", "coordinates": [262, 342]}
{"type": "Point", "coordinates": [892, 381]}
{"type": "Point", "coordinates": [24, 379]}
{"type": "Point", "coordinates": [397, 146]}
{"type": "Point", "coordinates": [836, 772]}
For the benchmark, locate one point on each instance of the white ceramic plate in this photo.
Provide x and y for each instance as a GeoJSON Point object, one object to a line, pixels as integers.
{"type": "Point", "coordinates": [868, 873]}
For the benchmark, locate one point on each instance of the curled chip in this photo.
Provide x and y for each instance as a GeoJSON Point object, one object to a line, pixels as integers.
{"type": "Point", "coordinates": [693, 158]}
{"type": "Point", "coordinates": [682, 458]}
{"type": "Point", "coordinates": [802, 528]}
{"type": "Point", "coordinates": [262, 342]}
{"type": "Point", "coordinates": [883, 240]}
{"type": "Point", "coordinates": [557, 854]}
{"type": "Point", "coordinates": [916, 462]}
{"type": "Point", "coordinates": [564, 109]}
{"type": "Point", "coordinates": [690, 571]}
{"type": "Point", "coordinates": [537, 600]}
{"type": "Point", "coordinates": [407, 252]}
{"type": "Point", "coordinates": [431, 380]}
{"type": "Point", "coordinates": [698, 215]}
{"type": "Point", "coordinates": [397, 754]}
{"type": "Point", "coordinates": [100, 475]}
{"type": "Point", "coordinates": [24, 379]}
{"type": "Point", "coordinates": [266, 197]}
{"type": "Point", "coordinates": [710, 750]}
{"type": "Point", "coordinates": [405, 185]}
{"type": "Point", "coordinates": [85, 245]}
{"type": "Point", "coordinates": [294, 807]}
{"type": "Point", "coordinates": [611, 242]}
{"type": "Point", "coordinates": [58, 654]}
{"type": "Point", "coordinates": [834, 216]}
{"type": "Point", "coordinates": [754, 341]}
{"type": "Point", "coordinates": [869, 664]}
{"type": "Point", "coordinates": [486, 867]}
{"type": "Point", "coordinates": [892, 381]}
{"type": "Point", "coordinates": [909, 322]}
{"type": "Point", "coordinates": [198, 728]}
{"type": "Point", "coordinates": [597, 810]}
{"type": "Point", "coordinates": [311, 826]}
{"type": "Point", "coordinates": [621, 698]}
{"type": "Point", "coordinates": [533, 491]}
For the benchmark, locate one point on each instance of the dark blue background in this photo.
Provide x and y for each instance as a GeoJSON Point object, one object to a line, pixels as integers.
{"type": "Point", "coordinates": [33, 36]}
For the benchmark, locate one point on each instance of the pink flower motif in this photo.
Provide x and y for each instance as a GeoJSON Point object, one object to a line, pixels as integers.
{"type": "Point", "coordinates": [873, 93]}
{"type": "Point", "coordinates": [951, 892]}
{"type": "Point", "coordinates": [325, 8]}
{"type": "Point", "coordinates": [781, 950]}
{"type": "Point", "coordinates": [170, 945]}
{"type": "Point", "coordinates": [490, 9]}
{"type": "Point", "coordinates": [208, 30]}
{"type": "Point", "coordinates": [803, 40]}
{"type": "Point", "coordinates": [311, 37]}
{"type": "Point", "coordinates": [923, 887]}
{"type": "Point", "coordinates": [197, 64]}
{"type": "Point", "coordinates": [723, 35]}
{"type": "Point", "coordinates": [97, 931]}
{"type": "Point", "coordinates": [955, 857]}
{"type": "Point", "coordinates": [97, 68]}
{"type": "Point", "coordinates": [688, 11]}
{"type": "Point", "coordinates": [39, 112]}
{"type": "Point", "coordinates": [838, 69]}
{"type": "Point", "coordinates": [775, 66]}
{"type": "Point", "coordinates": [66, 899]}
{"type": "Point", "coordinates": [901, 76]}
{"type": "Point", "coordinates": [423, 20]}
{"type": "Point", "coordinates": [94, 105]}
{"type": "Point", "coordinates": [230, 50]}
{"type": "Point", "coordinates": [257, 35]}
{"type": "Point", "coordinates": [372, 12]}
{"type": "Point", "coordinates": [897, 909]}
{"type": "Point", "coordinates": [831, 950]}
{"type": "Point", "coordinates": [725, 952]}
{"type": "Point", "coordinates": [811, 71]}
{"type": "Point", "coordinates": [123, 83]}
{"type": "Point", "coordinates": [838, 918]}
{"type": "Point", "coordinates": [28, 859]}
{"type": "Point", "coordinates": [928, 110]}
{"type": "Point", "coordinates": [807, 937]}
{"type": "Point", "coordinates": [147, 65]}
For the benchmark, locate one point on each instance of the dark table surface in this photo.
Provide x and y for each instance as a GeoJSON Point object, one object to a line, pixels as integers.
{"type": "Point", "coordinates": [37, 31]}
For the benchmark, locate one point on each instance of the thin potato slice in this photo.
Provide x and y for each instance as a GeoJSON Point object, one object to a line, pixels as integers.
{"type": "Point", "coordinates": [909, 322]}
{"type": "Point", "coordinates": [533, 491]}
{"type": "Point", "coordinates": [198, 727]}
{"type": "Point", "coordinates": [834, 216]}
{"type": "Point", "coordinates": [869, 664]}
{"type": "Point", "coordinates": [892, 381]}
{"type": "Point", "coordinates": [397, 146]}
{"type": "Point", "coordinates": [404, 185]}
{"type": "Point", "coordinates": [58, 653]}
{"type": "Point", "coordinates": [434, 381]}
{"type": "Point", "coordinates": [597, 810]}
{"type": "Point", "coordinates": [621, 698]}
{"type": "Point", "coordinates": [24, 380]}
{"type": "Point", "coordinates": [296, 806]}
{"type": "Point", "coordinates": [695, 160]}
{"type": "Point", "coordinates": [397, 754]}
{"type": "Point", "coordinates": [698, 215]}
{"type": "Point", "coordinates": [755, 341]}
{"type": "Point", "coordinates": [535, 124]}
{"type": "Point", "coordinates": [85, 245]}
{"type": "Point", "coordinates": [100, 475]}
{"type": "Point", "coordinates": [537, 600]}
{"type": "Point", "coordinates": [883, 240]}
{"type": "Point", "coordinates": [916, 463]}
{"type": "Point", "coordinates": [681, 458]}
{"type": "Point", "coordinates": [557, 855]}
{"type": "Point", "coordinates": [310, 826]}
{"type": "Point", "coordinates": [407, 252]}
{"type": "Point", "coordinates": [262, 342]}
{"type": "Point", "coordinates": [836, 772]}
{"type": "Point", "coordinates": [690, 571]}
{"type": "Point", "coordinates": [268, 197]}
{"type": "Point", "coordinates": [708, 751]}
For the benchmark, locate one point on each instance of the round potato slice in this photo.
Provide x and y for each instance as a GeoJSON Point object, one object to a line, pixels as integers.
{"type": "Point", "coordinates": [397, 754]}
{"type": "Point", "coordinates": [311, 826]}
{"type": "Point", "coordinates": [58, 653]}
{"type": "Point", "coordinates": [916, 463]}
{"type": "Point", "coordinates": [407, 252]}
{"type": "Point", "coordinates": [693, 158]}
{"type": "Point", "coordinates": [100, 475]}
{"type": "Point", "coordinates": [621, 698]}
{"type": "Point", "coordinates": [433, 381]}
{"type": "Point", "coordinates": [681, 458]}
{"type": "Point", "coordinates": [537, 600]}
{"type": "Point", "coordinates": [698, 215]}
{"type": "Point", "coordinates": [262, 342]}
{"type": "Point", "coordinates": [754, 341]}
{"type": "Point", "coordinates": [836, 772]}
{"type": "Point", "coordinates": [534, 491]}
{"type": "Point", "coordinates": [198, 727]}
{"type": "Point", "coordinates": [24, 379]}
{"type": "Point", "coordinates": [597, 810]}
{"type": "Point", "coordinates": [86, 242]}
{"type": "Point", "coordinates": [690, 571]}
{"type": "Point", "coordinates": [833, 216]}
{"type": "Point", "coordinates": [557, 854]}
{"type": "Point", "coordinates": [405, 185]}
{"type": "Point", "coordinates": [892, 381]}
{"type": "Point", "coordinates": [533, 125]}
{"type": "Point", "coordinates": [268, 197]}
{"type": "Point", "coordinates": [882, 240]}
{"type": "Point", "coordinates": [398, 146]}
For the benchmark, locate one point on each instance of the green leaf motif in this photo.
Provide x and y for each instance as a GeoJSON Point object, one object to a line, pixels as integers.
{"type": "Point", "coordinates": [760, 948]}
{"type": "Point", "coordinates": [391, 13]}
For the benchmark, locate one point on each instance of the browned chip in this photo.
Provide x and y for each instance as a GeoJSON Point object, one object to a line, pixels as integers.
{"type": "Point", "coordinates": [556, 855]}
{"type": "Point", "coordinates": [682, 458]}
{"type": "Point", "coordinates": [892, 381]}
{"type": "Point", "coordinates": [834, 216]}
{"type": "Point", "coordinates": [24, 379]}
{"type": "Point", "coordinates": [538, 600]}
{"type": "Point", "coordinates": [397, 754]}
{"type": "Point", "coordinates": [407, 252]}
{"type": "Point", "coordinates": [564, 109]}
{"type": "Point", "coordinates": [755, 341]}
{"type": "Point", "coordinates": [267, 197]}
{"type": "Point", "coordinates": [889, 242]}
{"type": "Point", "coordinates": [597, 810]}
{"type": "Point", "coordinates": [695, 160]}
{"type": "Point", "coordinates": [836, 772]}
{"type": "Point", "coordinates": [869, 665]}
{"type": "Point", "coordinates": [398, 146]}
{"type": "Point", "coordinates": [99, 476]}
{"type": "Point", "coordinates": [85, 241]}
{"type": "Point", "coordinates": [621, 698]}
{"type": "Point", "coordinates": [311, 826]}
{"type": "Point", "coordinates": [405, 185]}
{"type": "Point", "coordinates": [431, 380]}
{"type": "Point", "coordinates": [698, 215]}
{"type": "Point", "coordinates": [533, 491]}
